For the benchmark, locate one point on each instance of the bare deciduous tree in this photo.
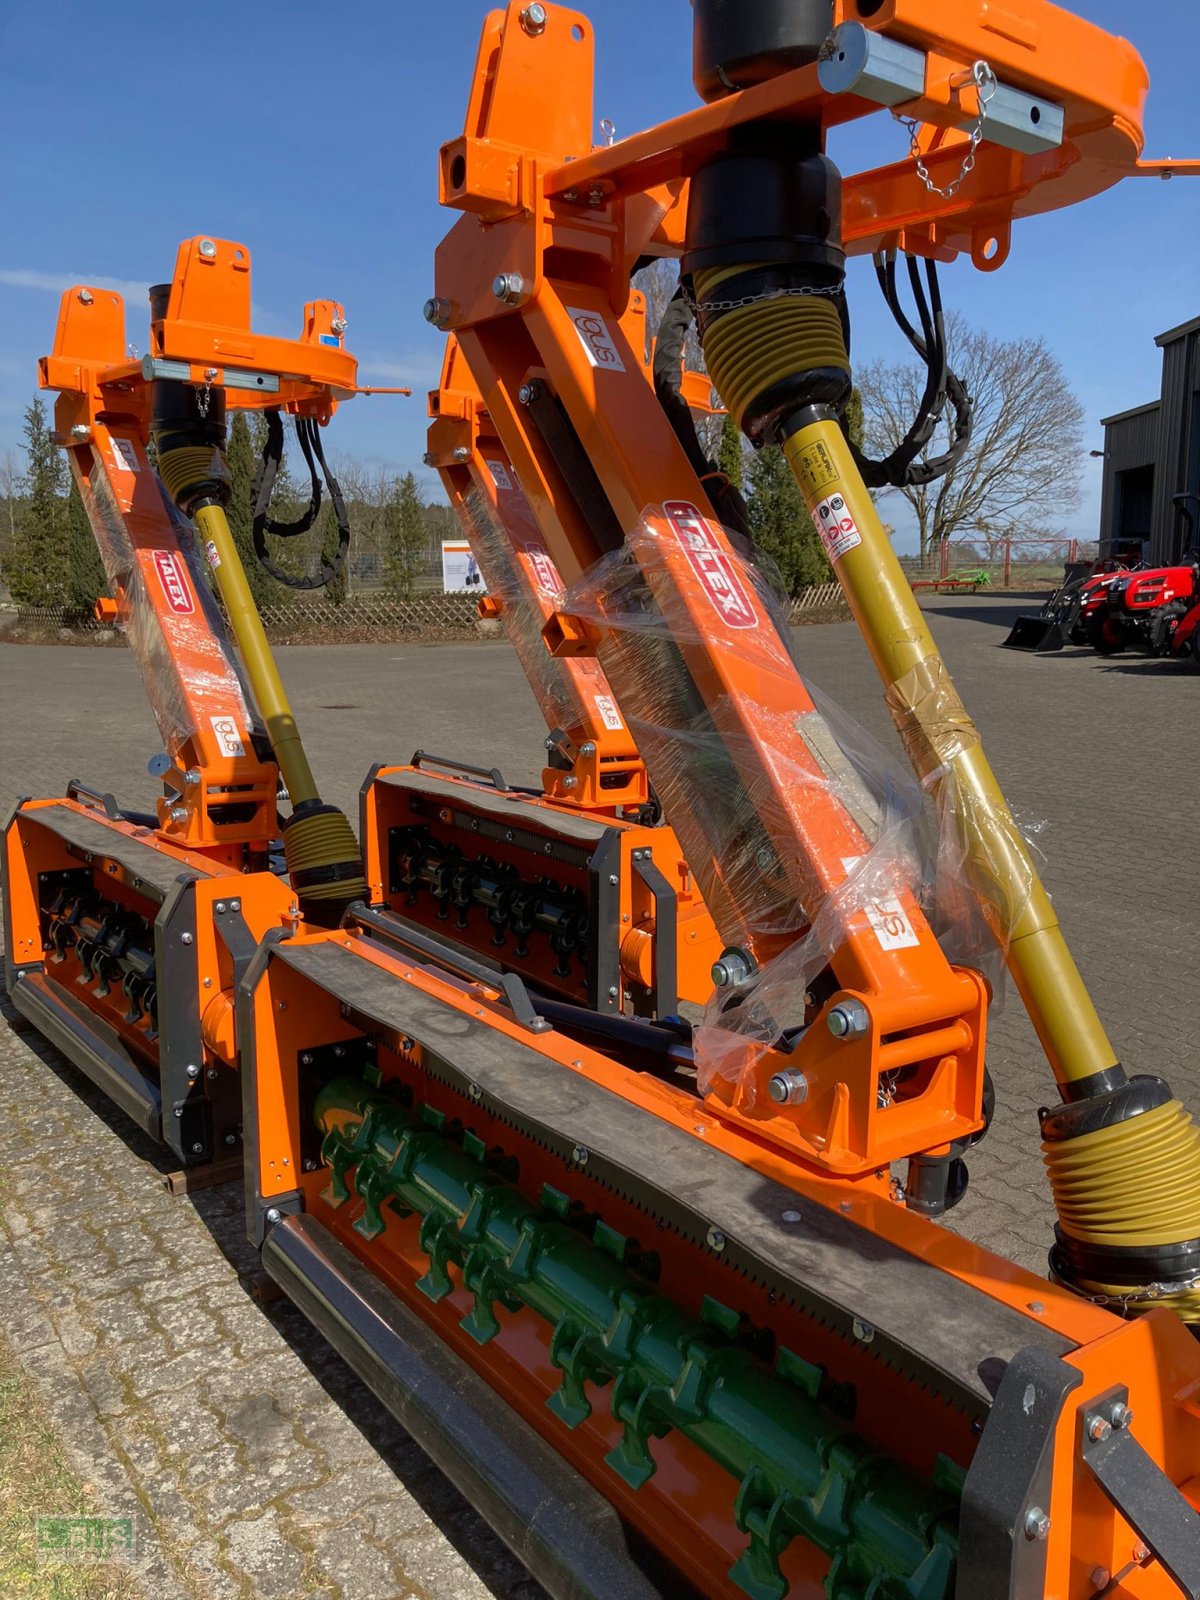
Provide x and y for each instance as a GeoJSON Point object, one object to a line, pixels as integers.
{"type": "Point", "coordinates": [1021, 472]}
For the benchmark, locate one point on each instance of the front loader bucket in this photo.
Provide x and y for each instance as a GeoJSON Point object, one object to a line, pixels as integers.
{"type": "Point", "coordinates": [1034, 633]}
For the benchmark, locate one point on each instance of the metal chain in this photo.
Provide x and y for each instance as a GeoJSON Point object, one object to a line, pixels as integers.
{"type": "Point", "coordinates": [1150, 1291]}
{"type": "Point", "coordinates": [986, 84]}
{"type": "Point", "coordinates": [752, 299]}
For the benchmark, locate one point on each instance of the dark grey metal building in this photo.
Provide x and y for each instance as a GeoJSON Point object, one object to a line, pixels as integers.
{"type": "Point", "coordinates": [1152, 459]}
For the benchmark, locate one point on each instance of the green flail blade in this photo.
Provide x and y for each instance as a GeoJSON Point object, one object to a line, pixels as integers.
{"type": "Point", "coordinates": [783, 1434]}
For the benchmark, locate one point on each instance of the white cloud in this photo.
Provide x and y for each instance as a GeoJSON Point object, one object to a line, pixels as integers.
{"type": "Point", "coordinates": [56, 282]}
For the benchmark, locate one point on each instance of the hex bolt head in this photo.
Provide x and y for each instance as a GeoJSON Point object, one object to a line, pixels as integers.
{"type": "Point", "coordinates": [533, 19]}
{"type": "Point", "coordinates": [570, 783]}
{"type": "Point", "coordinates": [274, 1214]}
{"type": "Point", "coordinates": [462, 452]}
{"type": "Point", "coordinates": [587, 749]}
{"type": "Point", "coordinates": [193, 1071]}
{"type": "Point", "coordinates": [436, 311]}
{"type": "Point", "coordinates": [1121, 1416]}
{"type": "Point", "coordinates": [849, 1019]}
{"type": "Point", "coordinates": [1099, 1429]}
{"type": "Point", "coordinates": [179, 814]}
{"type": "Point", "coordinates": [508, 286]}
{"type": "Point", "coordinates": [788, 1088]}
{"type": "Point", "coordinates": [715, 1239]}
{"type": "Point", "coordinates": [85, 297]}
{"type": "Point", "coordinates": [1037, 1524]}
{"type": "Point", "coordinates": [733, 968]}
{"type": "Point", "coordinates": [192, 777]}
{"type": "Point", "coordinates": [207, 249]}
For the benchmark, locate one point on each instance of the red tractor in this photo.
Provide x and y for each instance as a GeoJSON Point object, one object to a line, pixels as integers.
{"type": "Point", "coordinates": [1156, 609]}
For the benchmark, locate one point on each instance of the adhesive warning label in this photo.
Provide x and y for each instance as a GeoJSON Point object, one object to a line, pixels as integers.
{"type": "Point", "coordinates": [124, 455]}
{"type": "Point", "coordinates": [499, 476]}
{"type": "Point", "coordinates": [838, 529]}
{"type": "Point", "coordinates": [212, 555]}
{"type": "Point", "coordinates": [609, 715]}
{"type": "Point", "coordinates": [597, 342]}
{"type": "Point", "coordinates": [816, 464]}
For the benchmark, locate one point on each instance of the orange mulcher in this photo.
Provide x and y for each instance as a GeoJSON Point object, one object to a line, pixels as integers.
{"type": "Point", "coordinates": [668, 1299]}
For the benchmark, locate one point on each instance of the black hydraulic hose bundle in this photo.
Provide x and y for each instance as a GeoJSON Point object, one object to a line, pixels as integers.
{"type": "Point", "coordinates": [308, 434]}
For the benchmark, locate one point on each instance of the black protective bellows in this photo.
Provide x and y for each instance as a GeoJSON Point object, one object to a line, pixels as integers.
{"type": "Point", "coordinates": [771, 195]}
{"type": "Point", "coordinates": [739, 42]}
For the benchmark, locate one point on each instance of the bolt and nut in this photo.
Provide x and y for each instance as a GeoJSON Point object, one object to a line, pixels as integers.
{"type": "Point", "coordinates": [508, 286]}
{"type": "Point", "coordinates": [436, 311]}
{"type": "Point", "coordinates": [734, 967]}
{"type": "Point", "coordinates": [788, 1088]}
{"type": "Point", "coordinates": [1037, 1524]}
{"type": "Point", "coordinates": [849, 1019]}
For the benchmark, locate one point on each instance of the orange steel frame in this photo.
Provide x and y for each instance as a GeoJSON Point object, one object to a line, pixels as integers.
{"type": "Point", "coordinates": [102, 417]}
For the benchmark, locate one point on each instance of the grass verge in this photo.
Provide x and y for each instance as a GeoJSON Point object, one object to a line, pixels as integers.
{"type": "Point", "coordinates": [37, 1480]}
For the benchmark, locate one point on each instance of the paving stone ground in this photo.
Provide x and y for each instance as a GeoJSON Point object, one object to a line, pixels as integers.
{"type": "Point", "coordinates": [252, 1461]}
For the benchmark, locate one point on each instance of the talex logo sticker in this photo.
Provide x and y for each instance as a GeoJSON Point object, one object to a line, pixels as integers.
{"type": "Point", "coordinates": [546, 573]}
{"type": "Point", "coordinates": [711, 564]}
{"type": "Point", "coordinates": [174, 581]}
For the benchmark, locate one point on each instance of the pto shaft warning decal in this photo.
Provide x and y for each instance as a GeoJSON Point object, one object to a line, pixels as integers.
{"type": "Point", "coordinates": [838, 529]}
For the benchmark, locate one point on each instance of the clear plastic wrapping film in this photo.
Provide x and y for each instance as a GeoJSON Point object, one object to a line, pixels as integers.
{"type": "Point", "coordinates": [193, 674]}
{"type": "Point", "coordinates": [732, 790]}
{"type": "Point", "coordinates": [521, 576]}
{"type": "Point", "coordinates": [498, 550]}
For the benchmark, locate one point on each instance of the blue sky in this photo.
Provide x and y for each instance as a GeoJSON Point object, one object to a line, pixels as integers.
{"type": "Point", "coordinates": [310, 133]}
